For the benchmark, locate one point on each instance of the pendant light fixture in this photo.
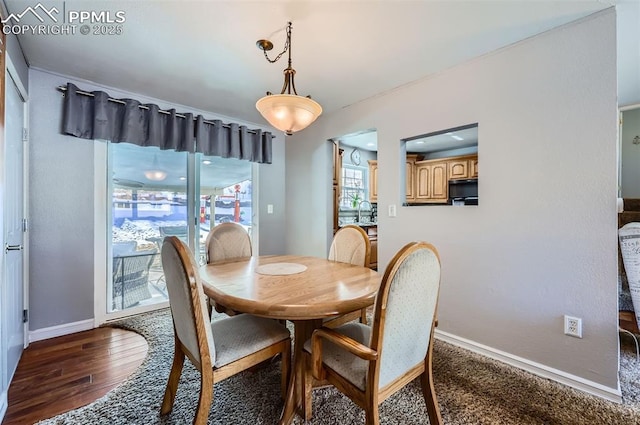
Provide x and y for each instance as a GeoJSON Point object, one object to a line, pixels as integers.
{"type": "Point", "coordinates": [287, 111]}
{"type": "Point", "coordinates": [155, 173]}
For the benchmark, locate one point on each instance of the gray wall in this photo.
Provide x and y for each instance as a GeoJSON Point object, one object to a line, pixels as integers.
{"type": "Point", "coordinates": [61, 212]}
{"type": "Point", "coordinates": [271, 182]}
{"type": "Point", "coordinates": [62, 198]}
{"type": "Point", "coordinates": [17, 59]}
{"type": "Point", "coordinates": [628, 48]}
{"type": "Point", "coordinates": [543, 241]}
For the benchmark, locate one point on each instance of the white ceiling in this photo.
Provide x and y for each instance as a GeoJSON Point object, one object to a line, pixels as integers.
{"type": "Point", "coordinates": [203, 53]}
{"type": "Point", "coordinates": [444, 141]}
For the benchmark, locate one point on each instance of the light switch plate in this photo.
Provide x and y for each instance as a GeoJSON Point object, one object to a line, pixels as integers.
{"type": "Point", "coordinates": [392, 210]}
{"type": "Point", "coordinates": [270, 209]}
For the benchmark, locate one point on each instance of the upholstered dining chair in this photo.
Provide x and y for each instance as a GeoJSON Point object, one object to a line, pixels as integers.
{"type": "Point", "coordinates": [350, 245]}
{"type": "Point", "coordinates": [220, 348]}
{"type": "Point", "coordinates": [227, 241]}
{"type": "Point", "coordinates": [369, 364]}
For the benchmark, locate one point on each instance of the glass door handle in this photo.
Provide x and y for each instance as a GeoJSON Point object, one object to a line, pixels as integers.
{"type": "Point", "coordinates": [8, 248]}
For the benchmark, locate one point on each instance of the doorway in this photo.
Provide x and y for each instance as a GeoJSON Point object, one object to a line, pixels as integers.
{"type": "Point", "coordinates": [14, 313]}
{"type": "Point", "coordinates": [155, 193]}
{"type": "Point", "coordinates": [628, 212]}
{"type": "Point", "coordinates": [356, 185]}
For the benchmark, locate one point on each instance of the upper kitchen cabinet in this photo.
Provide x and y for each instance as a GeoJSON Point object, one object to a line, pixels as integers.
{"type": "Point", "coordinates": [373, 180]}
{"type": "Point", "coordinates": [337, 163]}
{"type": "Point", "coordinates": [442, 167]}
{"type": "Point", "coordinates": [337, 177]}
{"type": "Point", "coordinates": [410, 177]}
{"type": "Point", "coordinates": [410, 181]}
{"type": "Point", "coordinates": [473, 173]}
{"type": "Point", "coordinates": [431, 182]}
{"type": "Point", "coordinates": [464, 167]}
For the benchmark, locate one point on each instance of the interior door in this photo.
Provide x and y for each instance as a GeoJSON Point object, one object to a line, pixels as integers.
{"type": "Point", "coordinates": [13, 290]}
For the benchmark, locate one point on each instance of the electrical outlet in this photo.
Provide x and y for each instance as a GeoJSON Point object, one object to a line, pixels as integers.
{"type": "Point", "coordinates": [573, 326]}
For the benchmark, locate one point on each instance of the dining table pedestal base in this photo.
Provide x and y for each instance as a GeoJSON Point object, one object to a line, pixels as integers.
{"type": "Point", "coordinates": [295, 401]}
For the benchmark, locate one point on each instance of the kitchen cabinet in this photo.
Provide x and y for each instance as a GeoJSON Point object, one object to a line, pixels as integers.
{"type": "Point", "coordinates": [465, 167]}
{"type": "Point", "coordinates": [410, 185]}
{"type": "Point", "coordinates": [336, 208]}
{"type": "Point", "coordinates": [428, 181]}
{"type": "Point", "coordinates": [372, 232]}
{"type": "Point", "coordinates": [373, 180]}
{"type": "Point", "coordinates": [459, 169]}
{"type": "Point", "coordinates": [473, 172]}
{"type": "Point", "coordinates": [337, 183]}
{"type": "Point", "coordinates": [432, 184]}
{"type": "Point", "coordinates": [410, 177]}
{"type": "Point", "coordinates": [337, 164]}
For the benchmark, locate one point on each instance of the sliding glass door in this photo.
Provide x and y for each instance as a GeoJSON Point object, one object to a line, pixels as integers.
{"type": "Point", "coordinates": [155, 194]}
{"type": "Point", "coordinates": [225, 195]}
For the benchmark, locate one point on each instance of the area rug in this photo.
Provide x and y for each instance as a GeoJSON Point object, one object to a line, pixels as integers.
{"type": "Point", "coordinates": [471, 389]}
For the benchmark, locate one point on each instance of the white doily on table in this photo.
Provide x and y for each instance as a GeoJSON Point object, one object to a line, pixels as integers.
{"type": "Point", "coordinates": [281, 268]}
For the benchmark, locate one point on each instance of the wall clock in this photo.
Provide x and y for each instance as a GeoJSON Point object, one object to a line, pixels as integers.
{"type": "Point", "coordinates": [355, 157]}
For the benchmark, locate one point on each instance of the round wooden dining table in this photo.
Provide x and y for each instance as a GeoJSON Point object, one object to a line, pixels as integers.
{"type": "Point", "coordinates": [304, 290]}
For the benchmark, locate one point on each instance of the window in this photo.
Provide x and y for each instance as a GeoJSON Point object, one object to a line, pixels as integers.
{"type": "Point", "coordinates": [225, 194]}
{"type": "Point", "coordinates": [156, 193]}
{"type": "Point", "coordinates": [354, 186]}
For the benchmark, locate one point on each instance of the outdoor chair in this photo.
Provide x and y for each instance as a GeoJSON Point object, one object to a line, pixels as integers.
{"type": "Point", "coordinates": [130, 274]}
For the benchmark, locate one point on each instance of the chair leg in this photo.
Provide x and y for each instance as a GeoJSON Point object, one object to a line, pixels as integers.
{"type": "Point", "coordinates": [210, 307]}
{"type": "Point", "coordinates": [634, 340]}
{"type": "Point", "coordinates": [372, 416]}
{"type": "Point", "coordinates": [174, 378]}
{"type": "Point", "coordinates": [363, 316]}
{"type": "Point", "coordinates": [307, 381]}
{"type": "Point", "coordinates": [429, 394]}
{"type": "Point", "coordinates": [206, 397]}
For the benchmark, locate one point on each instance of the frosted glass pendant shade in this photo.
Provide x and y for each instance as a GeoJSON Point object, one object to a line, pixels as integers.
{"type": "Point", "coordinates": [155, 173]}
{"type": "Point", "coordinates": [288, 112]}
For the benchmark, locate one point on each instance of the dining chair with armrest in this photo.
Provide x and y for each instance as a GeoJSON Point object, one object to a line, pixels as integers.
{"type": "Point", "coordinates": [369, 364]}
{"type": "Point", "coordinates": [219, 348]}
{"type": "Point", "coordinates": [350, 245]}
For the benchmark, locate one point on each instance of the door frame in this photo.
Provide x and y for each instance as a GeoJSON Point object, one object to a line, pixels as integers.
{"type": "Point", "coordinates": [22, 90]}
{"type": "Point", "coordinates": [102, 190]}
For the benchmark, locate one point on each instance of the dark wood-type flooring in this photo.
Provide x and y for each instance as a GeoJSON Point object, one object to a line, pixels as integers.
{"type": "Point", "coordinates": [64, 373]}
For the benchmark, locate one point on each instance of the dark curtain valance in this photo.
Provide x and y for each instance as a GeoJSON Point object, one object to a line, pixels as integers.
{"type": "Point", "coordinates": [97, 116]}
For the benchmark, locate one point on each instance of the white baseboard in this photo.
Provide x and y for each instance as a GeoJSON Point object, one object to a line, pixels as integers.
{"type": "Point", "coordinates": [60, 330]}
{"type": "Point", "coordinates": [538, 369]}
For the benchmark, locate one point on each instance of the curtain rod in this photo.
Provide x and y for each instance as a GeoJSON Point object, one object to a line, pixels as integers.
{"type": "Point", "coordinates": [86, 93]}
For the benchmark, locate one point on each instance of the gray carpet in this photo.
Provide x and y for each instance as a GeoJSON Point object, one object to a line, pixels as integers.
{"type": "Point", "coordinates": [471, 389]}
